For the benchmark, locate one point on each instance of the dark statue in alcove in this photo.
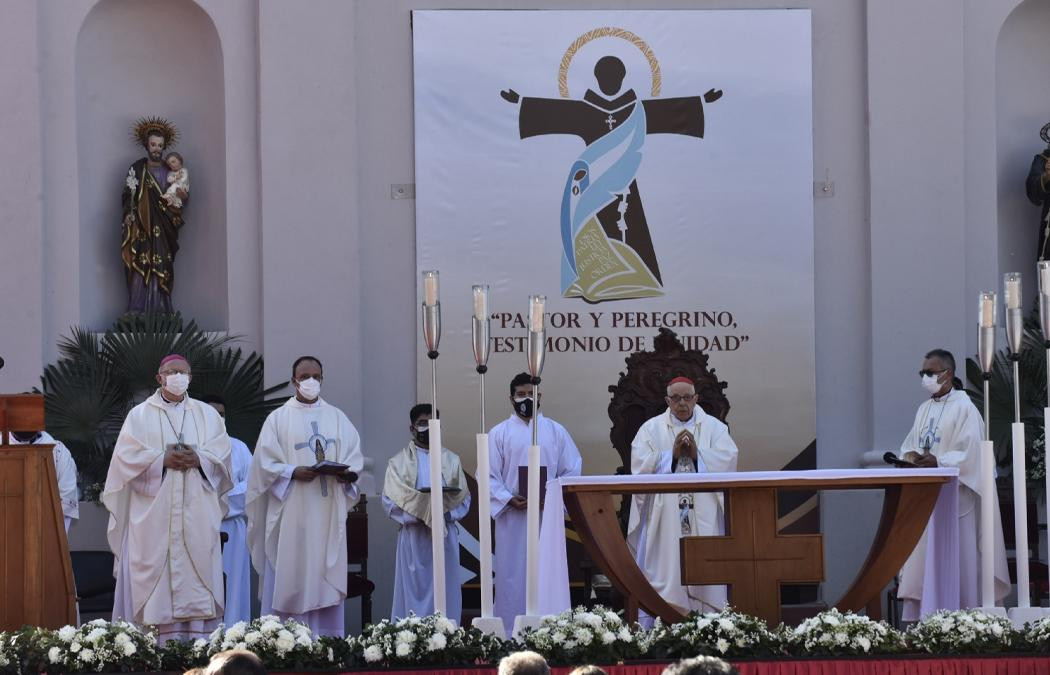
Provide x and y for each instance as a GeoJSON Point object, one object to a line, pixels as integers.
{"type": "Point", "coordinates": [1038, 188]}
{"type": "Point", "coordinates": [156, 189]}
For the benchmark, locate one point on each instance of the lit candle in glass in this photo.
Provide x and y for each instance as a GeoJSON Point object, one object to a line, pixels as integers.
{"type": "Point", "coordinates": [1044, 276]}
{"type": "Point", "coordinates": [481, 302]}
{"type": "Point", "coordinates": [1012, 290]}
{"type": "Point", "coordinates": [986, 310]}
{"type": "Point", "coordinates": [536, 307]}
{"type": "Point", "coordinates": [430, 288]}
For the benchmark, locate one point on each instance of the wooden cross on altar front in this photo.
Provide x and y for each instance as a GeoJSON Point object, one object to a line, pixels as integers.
{"type": "Point", "coordinates": [753, 558]}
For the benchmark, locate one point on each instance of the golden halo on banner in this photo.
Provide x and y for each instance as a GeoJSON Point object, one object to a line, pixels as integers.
{"type": "Point", "coordinates": [607, 31]}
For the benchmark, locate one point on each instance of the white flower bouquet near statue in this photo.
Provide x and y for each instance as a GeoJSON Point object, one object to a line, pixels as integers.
{"type": "Point", "coordinates": [279, 644]}
{"type": "Point", "coordinates": [582, 635]}
{"type": "Point", "coordinates": [423, 640]}
{"type": "Point", "coordinates": [968, 631]}
{"type": "Point", "coordinates": [832, 633]}
{"type": "Point", "coordinates": [725, 633]}
{"type": "Point", "coordinates": [98, 646]}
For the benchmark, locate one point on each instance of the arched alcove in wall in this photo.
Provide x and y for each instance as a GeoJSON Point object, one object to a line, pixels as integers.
{"type": "Point", "coordinates": [1022, 107]}
{"type": "Point", "coordinates": [137, 58]}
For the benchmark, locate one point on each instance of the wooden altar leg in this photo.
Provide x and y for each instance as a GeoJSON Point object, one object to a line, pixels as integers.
{"type": "Point", "coordinates": [594, 517]}
{"type": "Point", "coordinates": [906, 510]}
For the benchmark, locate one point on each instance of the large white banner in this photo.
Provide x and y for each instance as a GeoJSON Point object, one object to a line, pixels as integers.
{"type": "Point", "coordinates": [641, 169]}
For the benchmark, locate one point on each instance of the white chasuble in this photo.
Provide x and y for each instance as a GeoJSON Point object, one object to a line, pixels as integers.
{"type": "Point", "coordinates": [236, 561]}
{"type": "Point", "coordinates": [297, 529]}
{"type": "Point", "coordinates": [404, 499]}
{"type": "Point", "coordinates": [951, 429]}
{"type": "Point", "coordinates": [658, 522]}
{"type": "Point", "coordinates": [509, 443]}
{"type": "Point", "coordinates": [164, 523]}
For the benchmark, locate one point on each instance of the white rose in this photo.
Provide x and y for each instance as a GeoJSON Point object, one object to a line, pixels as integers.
{"type": "Point", "coordinates": [284, 643]}
{"type": "Point", "coordinates": [406, 636]}
{"type": "Point", "coordinates": [445, 626]}
{"type": "Point", "coordinates": [722, 646]}
{"type": "Point", "coordinates": [997, 630]}
{"type": "Point", "coordinates": [96, 634]}
{"type": "Point", "coordinates": [129, 648]}
{"type": "Point", "coordinates": [121, 638]}
{"type": "Point", "coordinates": [270, 626]}
{"type": "Point", "coordinates": [612, 617]}
{"type": "Point", "coordinates": [437, 641]}
{"type": "Point", "coordinates": [86, 655]}
{"type": "Point", "coordinates": [373, 653]}
{"type": "Point", "coordinates": [403, 649]}
{"type": "Point", "coordinates": [54, 655]}
{"type": "Point", "coordinates": [608, 637]}
{"type": "Point", "coordinates": [66, 633]}
{"type": "Point", "coordinates": [236, 632]}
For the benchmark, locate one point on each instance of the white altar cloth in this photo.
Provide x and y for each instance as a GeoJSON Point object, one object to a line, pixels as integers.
{"type": "Point", "coordinates": [941, 579]}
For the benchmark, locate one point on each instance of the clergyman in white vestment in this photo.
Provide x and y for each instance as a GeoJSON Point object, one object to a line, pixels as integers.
{"type": "Point", "coordinates": [296, 515]}
{"type": "Point", "coordinates": [406, 499]}
{"type": "Point", "coordinates": [236, 560]}
{"type": "Point", "coordinates": [682, 439]}
{"type": "Point", "coordinates": [166, 494]}
{"type": "Point", "coordinates": [65, 471]}
{"type": "Point", "coordinates": [947, 432]}
{"type": "Point", "coordinates": [509, 443]}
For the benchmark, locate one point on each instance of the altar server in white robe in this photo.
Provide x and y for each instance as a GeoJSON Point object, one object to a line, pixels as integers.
{"type": "Point", "coordinates": [296, 515]}
{"type": "Point", "coordinates": [947, 432]}
{"type": "Point", "coordinates": [166, 494]}
{"type": "Point", "coordinates": [684, 439]}
{"type": "Point", "coordinates": [236, 560]}
{"type": "Point", "coordinates": [509, 443]}
{"type": "Point", "coordinates": [406, 499]}
{"type": "Point", "coordinates": [65, 471]}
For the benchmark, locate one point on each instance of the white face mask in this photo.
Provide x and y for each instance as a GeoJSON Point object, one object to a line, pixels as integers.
{"type": "Point", "coordinates": [310, 388]}
{"type": "Point", "coordinates": [930, 384]}
{"type": "Point", "coordinates": [177, 383]}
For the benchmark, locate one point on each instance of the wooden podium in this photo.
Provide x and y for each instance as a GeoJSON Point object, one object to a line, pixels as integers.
{"type": "Point", "coordinates": [36, 582]}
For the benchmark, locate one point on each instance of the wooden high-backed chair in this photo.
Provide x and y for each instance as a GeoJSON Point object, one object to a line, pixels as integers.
{"type": "Point", "coordinates": [358, 585]}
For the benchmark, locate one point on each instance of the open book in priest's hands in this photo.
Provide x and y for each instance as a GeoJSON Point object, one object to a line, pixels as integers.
{"type": "Point", "coordinates": [445, 489]}
{"type": "Point", "coordinates": [907, 462]}
{"type": "Point", "coordinates": [329, 468]}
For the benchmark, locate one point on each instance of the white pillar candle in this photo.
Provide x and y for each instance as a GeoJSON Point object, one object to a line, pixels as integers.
{"type": "Point", "coordinates": [485, 525]}
{"type": "Point", "coordinates": [536, 308]}
{"type": "Point", "coordinates": [481, 302]}
{"type": "Point", "coordinates": [987, 310]}
{"type": "Point", "coordinates": [437, 519]}
{"type": "Point", "coordinates": [1044, 276]}
{"type": "Point", "coordinates": [430, 288]}
{"type": "Point", "coordinates": [1012, 290]}
{"type": "Point", "coordinates": [1020, 515]}
{"type": "Point", "coordinates": [532, 532]}
{"type": "Point", "coordinates": [987, 523]}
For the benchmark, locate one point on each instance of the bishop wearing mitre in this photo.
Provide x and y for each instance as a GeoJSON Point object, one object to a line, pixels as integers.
{"type": "Point", "coordinates": [682, 439]}
{"type": "Point", "coordinates": [166, 494]}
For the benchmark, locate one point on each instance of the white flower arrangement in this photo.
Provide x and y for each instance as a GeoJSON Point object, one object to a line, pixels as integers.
{"type": "Point", "coordinates": [10, 654]}
{"type": "Point", "coordinates": [834, 633]}
{"type": "Point", "coordinates": [967, 631]}
{"type": "Point", "coordinates": [584, 635]}
{"type": "Point", "coordinates": [725, 633]}
{"type": "Point", "coordinates": [98, 646]}
{"type": "Point", "coordinates": [429, 640]}
{"type": "Point", "coordinates": [1037, 635]}
{"type": "Point", "coordinates": [279, 644]}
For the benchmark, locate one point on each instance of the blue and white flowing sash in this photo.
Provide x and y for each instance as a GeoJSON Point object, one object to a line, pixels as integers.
{"type": "Point", "coordinates": [585, 196]}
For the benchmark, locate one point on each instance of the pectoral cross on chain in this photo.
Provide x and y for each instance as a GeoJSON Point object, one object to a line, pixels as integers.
{"type": "Point", "coordinates": [317, 443]}
{"type": "Point", "coordinates": [611, 121]}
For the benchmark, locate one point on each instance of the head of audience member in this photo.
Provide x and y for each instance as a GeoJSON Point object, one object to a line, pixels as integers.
{"type": "Point", "coordinates": [523, 663]}
{"type": "Point", "coordinates": [235, 662]}
{"type": "Point", "coordinates": [217, 402]}
{"type": "Point", "coordinates": [173, 376]}
{"type": "Point", "coordinates": [522, 396]}
{"type": "Point", "coordinates": [420, 416]}
{"type": "Point", "coordinates": [938, 373]}
{"type": "Point", "coordinates": [307, 374]}
{"type": "Point", "coordinates": [681, 398]}
{"type": "Point", "coordinates": [587, 670]}
{"type": "Point", "coordinates": [194, 671]}
{"type": "Point", "coordinates": [701, 665]}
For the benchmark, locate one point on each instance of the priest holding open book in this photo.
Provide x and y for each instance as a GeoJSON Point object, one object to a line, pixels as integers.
{"type": "Point", "coordinates": [300, 488]}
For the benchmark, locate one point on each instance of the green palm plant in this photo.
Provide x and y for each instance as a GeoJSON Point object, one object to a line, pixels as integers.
{"type": "Point", "coordinates": [97, 379]}
{"type": "Point", "coordinates": [1032, 379]}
